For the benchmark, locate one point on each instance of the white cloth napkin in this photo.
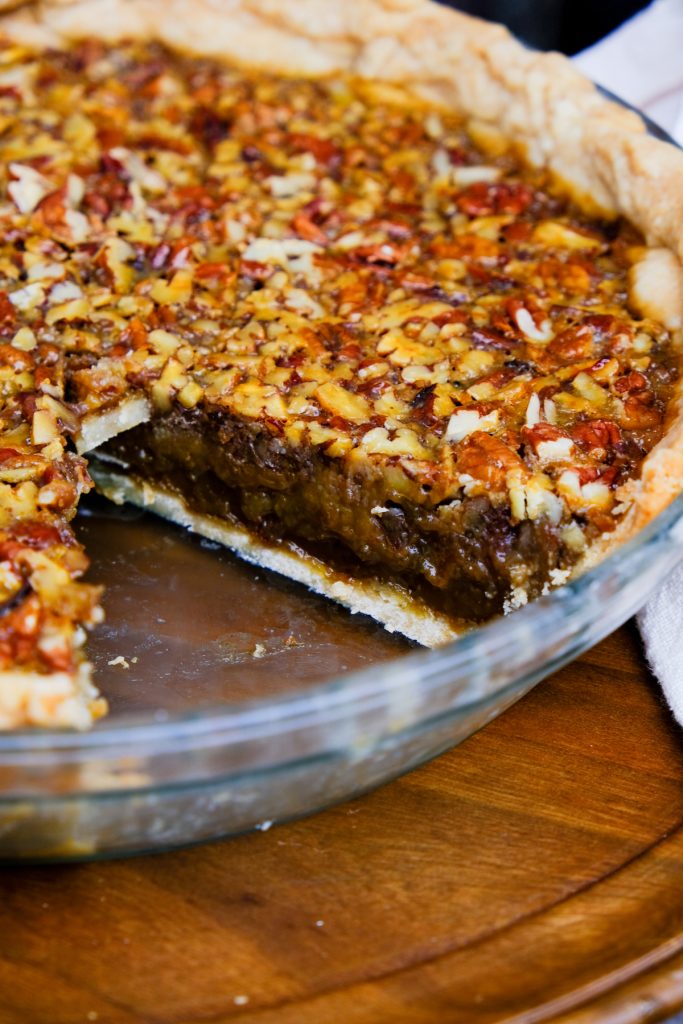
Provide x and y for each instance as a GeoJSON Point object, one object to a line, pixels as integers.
{"type": "Point", "coordinates": [642, 63]}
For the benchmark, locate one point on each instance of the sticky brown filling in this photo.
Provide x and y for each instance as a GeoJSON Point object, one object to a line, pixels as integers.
{"type": "Point", "coordinates": [463, 557]}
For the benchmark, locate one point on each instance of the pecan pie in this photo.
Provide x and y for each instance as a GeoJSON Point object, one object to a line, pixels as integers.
{"type": "Point", "coordinates": [395, 311]}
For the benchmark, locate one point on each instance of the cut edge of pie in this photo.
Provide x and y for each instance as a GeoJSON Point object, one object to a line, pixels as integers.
{"type": "Point", "coordinates": [385, 602]}
{"type": "Point", "coordinates": [558, 120]}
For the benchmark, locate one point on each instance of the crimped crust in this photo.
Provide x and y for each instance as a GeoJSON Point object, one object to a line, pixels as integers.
{"type": "Point", "coordinates": [552, 113]}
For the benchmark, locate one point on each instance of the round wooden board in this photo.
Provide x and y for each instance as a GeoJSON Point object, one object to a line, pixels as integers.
{"type": "Point", "coordinates": [535, 873]}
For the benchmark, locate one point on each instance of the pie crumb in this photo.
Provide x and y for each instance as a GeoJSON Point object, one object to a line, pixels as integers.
{"type": "Point", "coordinates": [120, 660]}
{"type": "Point", "coordinates": [517, 599]}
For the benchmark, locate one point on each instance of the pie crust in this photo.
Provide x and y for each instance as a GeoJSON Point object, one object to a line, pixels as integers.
{"type": "Point", "coordinates": [555, 118]}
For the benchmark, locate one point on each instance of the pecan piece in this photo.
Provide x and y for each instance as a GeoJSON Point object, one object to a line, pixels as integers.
{"type": "Point", "coordinates": [573, 344]}
{"type": "Point", "coordinates": [487, 459]}
{"type": "Point", "coordinates": [596, 434]}
{"type": "Point", "coordinates": [633, 381]}
{"type": "Point", "coordinates": [482, 199]}
{"type": "Point", "coordinates": [639, 412]}
{"type": "Point", "coordinates": [486, 338]}
{"type": "Point", "coordinates": [324, 151]}
{"type": "Point", "coordinates": [255, 270]}
{"type": "Point", "coordinates": [307, 229]}
{"type": "Point", "coordinates": [8, 315]}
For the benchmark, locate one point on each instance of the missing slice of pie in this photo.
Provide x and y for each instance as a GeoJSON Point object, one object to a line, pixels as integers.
{"type": "Point", "coordinates": [395, 312]}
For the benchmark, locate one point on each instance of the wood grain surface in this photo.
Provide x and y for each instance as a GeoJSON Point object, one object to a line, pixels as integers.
{"type": "Point", "coordinates": [534, 873]}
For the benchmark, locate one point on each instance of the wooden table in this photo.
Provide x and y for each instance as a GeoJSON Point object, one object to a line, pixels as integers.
{"type": "Point", "coordinates": [535, 873]}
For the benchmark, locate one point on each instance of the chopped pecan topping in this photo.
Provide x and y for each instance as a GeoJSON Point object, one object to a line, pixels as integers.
{"type": "Point", "coordinates": [482, 199]}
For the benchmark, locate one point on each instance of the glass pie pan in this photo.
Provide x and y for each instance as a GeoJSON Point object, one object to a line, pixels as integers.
{"type": "Point", "coordinates": [239, 700]}
{"type": "Point", "coordinates": [220, 722]}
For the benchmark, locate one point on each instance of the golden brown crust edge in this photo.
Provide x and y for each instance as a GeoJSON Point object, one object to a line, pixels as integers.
{"type": "Point", "coordinates": [538, 101]}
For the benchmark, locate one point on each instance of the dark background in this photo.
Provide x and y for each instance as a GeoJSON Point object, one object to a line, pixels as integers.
{"type": "Point", "coordinates": [567, 25]}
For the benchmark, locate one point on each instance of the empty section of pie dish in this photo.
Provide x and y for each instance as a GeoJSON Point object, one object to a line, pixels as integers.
{"type": "Point", "coordinates": [151, 780]}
